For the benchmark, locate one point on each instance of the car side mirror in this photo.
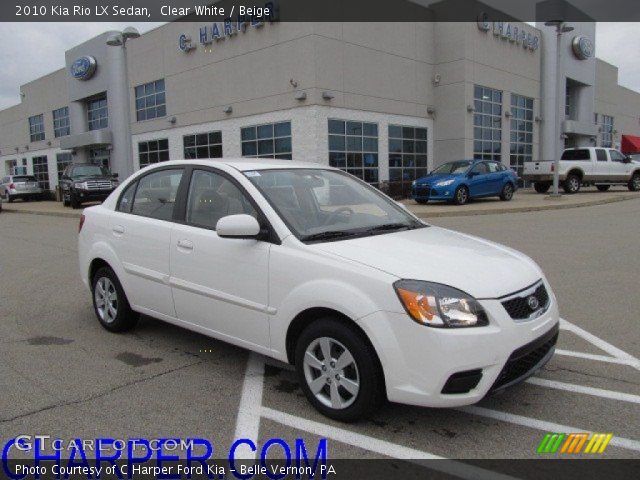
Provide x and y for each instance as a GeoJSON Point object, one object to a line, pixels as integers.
{"type": "Point", "coordinates": [238, 226]}
{"type": "Point", "coordinates": [627, 159]}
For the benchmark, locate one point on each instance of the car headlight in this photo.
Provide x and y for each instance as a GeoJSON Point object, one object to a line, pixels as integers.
{"type": "Point", "coordinates": [80, 185]}
{"type": "Point", "coordinates": [437, 305]}
{"type": "Point", "coordinates": [444, 183]}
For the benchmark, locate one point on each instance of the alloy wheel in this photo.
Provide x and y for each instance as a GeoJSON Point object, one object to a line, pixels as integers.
{"type": "Point", "coordinates": [462, 195]}
{"type": "Point", "coordinates": [106, 298]}
{"type": "Point", "coordinates": [508, 192]}
{"type": "Point", "coordinates": [331, 373]}
{"type": "Point", "coordinates": [636, 182]}
{"type": "Point", "coordinates": [574, 184]}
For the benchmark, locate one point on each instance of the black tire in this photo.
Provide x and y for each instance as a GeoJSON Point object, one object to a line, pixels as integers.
{"type": "Point", "coordinates": [65, 202]}
{"type": "Point", "coordinates": [634, 183]}
{"type": "Point", "coordinates": [26, 199]}
{"type": "Point", "coordinates": [73, 201]}
{"type": "Point", "coordinates": [124, 318]}
{"type": "Point", "coordinates": [603, 188]}
{"type": "Point", "coordinates": [572, 184]}
{"type": "Point", "coordinates": [461, 196]}
{"type": "Point", "coordinates": [9, 198]}
{"type": "Point", "coordinates": [507, 192]}
{"type": "Point", "coordinates": [422, 202]}
{"type": "Point", "coordinates": [370, 394]}
{"type": "Point", "coordinates": [542, 187]}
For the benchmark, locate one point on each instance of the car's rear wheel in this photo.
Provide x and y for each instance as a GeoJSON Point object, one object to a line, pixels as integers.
{"type": "Point", "coordinates": [338, 370]}
{"type": "Point", "coordinates": [110, 302]}
{"type": "Point", "coordinates": [507, 192]}
{"type": "Point", "coordinates": [603, 188]}
{"type": "Point", "coordinates": [461, 195]}
{"type": "Point", "coordinates": [572, 184]}
{"type": "Point", "coordinates": [634, 183]}
{"type": "Point", "coordinates": [542, 187]}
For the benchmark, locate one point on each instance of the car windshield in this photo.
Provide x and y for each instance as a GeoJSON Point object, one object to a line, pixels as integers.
{"type": "Point", "coordinates": [452, 168]}
{"type": "Point", "coordinates": [89, 171]}
{"type": "Point", "coordinates": [24, 178]}
{"type": "Point", "coordinates": [323, 205]}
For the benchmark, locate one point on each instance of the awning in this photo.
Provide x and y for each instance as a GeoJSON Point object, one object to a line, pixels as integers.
{"type": "Point", "coordinates": [630, 144]}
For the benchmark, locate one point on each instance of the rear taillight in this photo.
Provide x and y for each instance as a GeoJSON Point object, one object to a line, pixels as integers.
{"type": "Point", "coordinates": [12, 186]}
{"type": "Point", "coordinates": [81, 223]}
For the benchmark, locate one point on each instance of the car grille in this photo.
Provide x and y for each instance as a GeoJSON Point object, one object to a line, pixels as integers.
{"type": "Point", "coordinates": [422, 191]}
{"type": "Point", "coordinates": [99, 185]}
{"type": "Point", "coordinates": [527, 359]}
{"type": "Point", "coordinates": [519, 307]}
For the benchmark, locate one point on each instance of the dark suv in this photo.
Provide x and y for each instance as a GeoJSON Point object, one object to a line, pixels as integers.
{"type": "Point", "coordinates": [85, 182]}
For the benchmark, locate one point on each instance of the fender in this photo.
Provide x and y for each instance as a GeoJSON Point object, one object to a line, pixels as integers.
{"type": "Point", "coordinates": [102, 250]}
{"type": "Point", "coordinates": [313, 294]}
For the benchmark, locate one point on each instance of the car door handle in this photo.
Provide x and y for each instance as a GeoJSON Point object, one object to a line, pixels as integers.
{"type": "Point", "coordinates": [185, 245]}
{"type": "Point", "coordinates": [118, 230]}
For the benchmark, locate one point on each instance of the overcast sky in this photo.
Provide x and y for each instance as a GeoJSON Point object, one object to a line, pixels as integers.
{"type": "Point", "coordinates": [42, 46]}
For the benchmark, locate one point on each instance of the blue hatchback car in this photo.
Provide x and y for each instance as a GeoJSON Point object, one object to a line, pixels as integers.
{"type": "Point", "coordinates": [462, 180]}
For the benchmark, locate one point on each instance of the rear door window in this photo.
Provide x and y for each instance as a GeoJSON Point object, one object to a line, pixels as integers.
{"type": "Point", "coordinates": [577, 154]}
{"type": "Point", "coordinates": [601, 155]}
{"type": "Point", "coordinates": [156, 194]}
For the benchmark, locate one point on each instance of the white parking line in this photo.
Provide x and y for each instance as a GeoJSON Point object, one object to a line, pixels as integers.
{"type": "Point", "coordinates": [534, 423]}
{"type": "Point", "coordinates": [598, 342]}
{"type": "Point", "coordinates": [596, 392]}
{"type": "Point", "coordinates": [598, 358]}
{"type": "Point", "coordinates": [248, 421]}
{"type": "Point", "coordinates": [381, 447]}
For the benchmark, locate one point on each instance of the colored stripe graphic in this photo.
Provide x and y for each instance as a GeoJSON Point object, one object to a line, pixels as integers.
{"type": "Point", "coordinates": [572, 443]}
{"type": "Point", "coordinates": [551, 442]}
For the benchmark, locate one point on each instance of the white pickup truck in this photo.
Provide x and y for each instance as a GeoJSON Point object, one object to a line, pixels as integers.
{"type": "Point", "coordinates": [579, 166]}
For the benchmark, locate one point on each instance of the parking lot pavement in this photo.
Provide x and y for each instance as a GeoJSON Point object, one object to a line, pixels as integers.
{"type": "Point", "coordinates": [62, 374]}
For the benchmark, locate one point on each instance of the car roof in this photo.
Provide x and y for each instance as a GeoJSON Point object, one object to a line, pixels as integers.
{"type": "Point", "coordinates": [248, 164]}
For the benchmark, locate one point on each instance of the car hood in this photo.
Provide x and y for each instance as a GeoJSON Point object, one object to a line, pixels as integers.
{"type": "Point", "coordinates": [478, 267]}
{"type": "Point", "coordinates": [433, 179]}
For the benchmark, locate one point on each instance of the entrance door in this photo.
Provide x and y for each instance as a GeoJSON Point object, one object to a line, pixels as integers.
{"type": "Point", "coordinates": [100, 156]}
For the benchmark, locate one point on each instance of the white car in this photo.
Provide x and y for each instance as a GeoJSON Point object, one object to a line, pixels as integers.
{"type": "Point", "coordinates": [312, 266]}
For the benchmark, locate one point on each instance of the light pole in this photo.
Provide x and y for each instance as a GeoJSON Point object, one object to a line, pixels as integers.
{"type": "Point", "coordinates": [561, 28]}
{"type": "Point", "coordinates": [118, 102]}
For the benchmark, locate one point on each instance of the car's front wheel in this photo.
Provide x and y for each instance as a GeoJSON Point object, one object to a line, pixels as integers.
{"type": "Point", "coordinates": [110, 303]}
{"type": "Point", "coordinates": [507, 192]}
{"type": "Point", "coordinates": [338, 370]}
{"type": "Point", "coordinates": [461, 195]}
{"type": "Point", "coordinates": [634, 183]}
{"type": "Point", "coordinates": [73, 201]}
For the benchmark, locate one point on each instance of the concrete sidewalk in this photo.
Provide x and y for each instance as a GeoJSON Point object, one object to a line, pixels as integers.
{"type": "Point", "coordinates": [526, 200]}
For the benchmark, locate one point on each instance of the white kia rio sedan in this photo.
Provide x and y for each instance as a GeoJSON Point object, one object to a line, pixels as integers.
{"type": "Point", "coordinates": [312, 266]}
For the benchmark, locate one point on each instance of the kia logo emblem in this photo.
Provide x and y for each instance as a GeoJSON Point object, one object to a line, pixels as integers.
{"type": "Point", "coordinates": [533, 302]}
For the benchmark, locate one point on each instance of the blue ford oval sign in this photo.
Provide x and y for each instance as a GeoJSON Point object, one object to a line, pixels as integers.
{"type": "Point", "coordinates": [83, 67]}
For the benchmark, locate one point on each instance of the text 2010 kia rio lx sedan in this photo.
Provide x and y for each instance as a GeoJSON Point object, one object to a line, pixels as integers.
{"type": "Point", "coordinates": [311, 266]}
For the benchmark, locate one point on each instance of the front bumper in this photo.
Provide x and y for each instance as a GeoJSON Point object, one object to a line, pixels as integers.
{"type": "Point", "coordinates": [92, 195]}
{"type": "Point", "coordinates": [432, 193]}
{"type": "Point", "coordinates": [418, 361]}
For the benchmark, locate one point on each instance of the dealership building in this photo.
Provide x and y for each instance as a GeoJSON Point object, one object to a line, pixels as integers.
{"type": "Point", "coordinates": [384, 101]}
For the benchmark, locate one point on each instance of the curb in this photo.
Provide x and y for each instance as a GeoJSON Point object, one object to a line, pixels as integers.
{"type": "Point", "coordinates": [460, 213]}
{"type": "Point", "coordinates": [50, 214]}
{"type": "Point", "coordinates": [537, 208]}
